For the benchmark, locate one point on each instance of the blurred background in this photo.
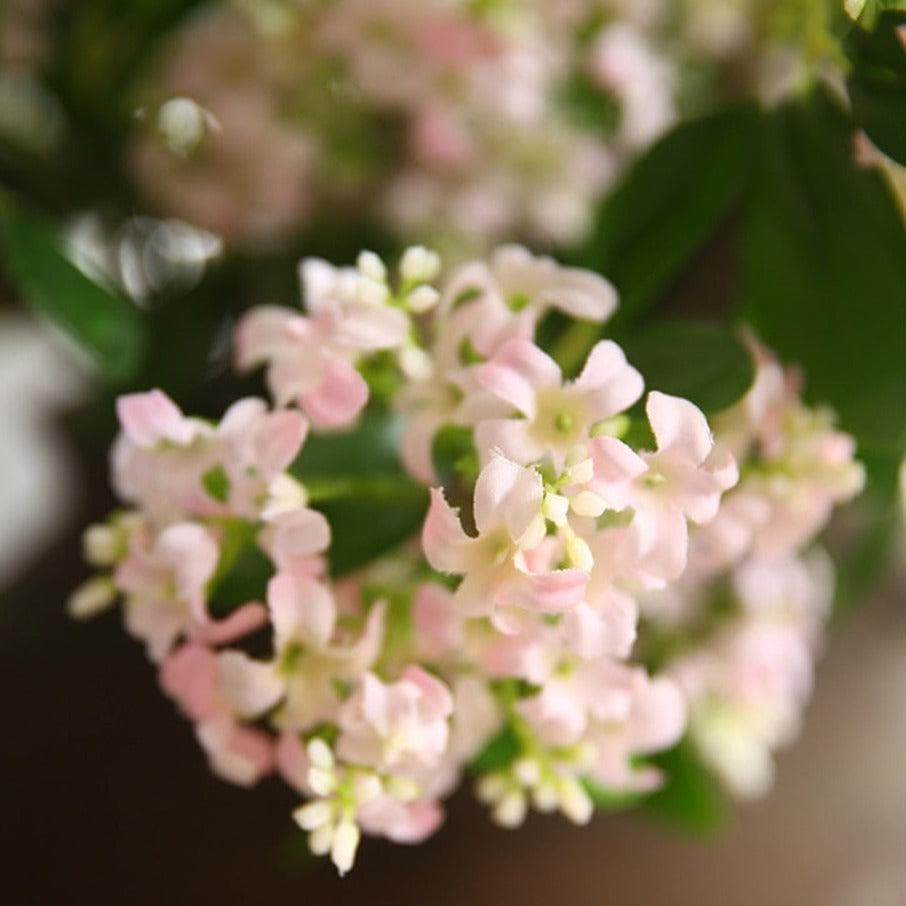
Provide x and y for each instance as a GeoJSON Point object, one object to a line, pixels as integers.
{"type": "Point", "coordinates": [163, 166]}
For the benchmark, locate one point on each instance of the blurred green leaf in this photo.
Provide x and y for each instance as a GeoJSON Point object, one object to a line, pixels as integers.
{"type": "Point", "coordinates": [877, 84]}
{"type": "Point", "coordinates": [703, 362]}
{"type": "Point", "coordinates": [104, 324]}
{"type": "Point", "coordinates": [356, 480]}
{"type": "Point", "coordinates": [499, 752]}
{"type": "Point", "coordinates": [668, 205]}
{"type": "Point", "coordinates": [690, 797]}
{"type": "Point", "coordinates": [824, 271]}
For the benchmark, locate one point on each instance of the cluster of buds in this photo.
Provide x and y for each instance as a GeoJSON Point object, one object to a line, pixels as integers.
{"type": "Point", "coordinates": [513, 621]}
{"type": "Point", "coordinates": [488, 119]}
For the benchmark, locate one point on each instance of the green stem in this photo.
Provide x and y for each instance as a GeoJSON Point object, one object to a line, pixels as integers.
{"type": "Point", "coordinates": [371, 488]}
{"type": "Point", "coordinates": [571, 348]}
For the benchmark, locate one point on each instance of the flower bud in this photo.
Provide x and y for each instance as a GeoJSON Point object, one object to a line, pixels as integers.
{"type": "Point", "coordinates": [419, 265]}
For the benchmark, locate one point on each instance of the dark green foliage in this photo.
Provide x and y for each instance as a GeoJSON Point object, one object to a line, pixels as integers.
{"type": "Point", "coordinates": [668, 206]}
{"type": "Point", "coordinates": [877, 83]}
{"type": "Point", "coordinates": [690, 796]}
{"type": "Point", "coordinates": [701, 361]}
{"type": "Point", "coordinates": [358, 483]}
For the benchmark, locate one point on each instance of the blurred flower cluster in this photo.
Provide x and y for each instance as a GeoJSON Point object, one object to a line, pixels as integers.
{"type": "Point", "coordinates": [459, 123]}
{"type": "Point", "coordinates": [595, 574]}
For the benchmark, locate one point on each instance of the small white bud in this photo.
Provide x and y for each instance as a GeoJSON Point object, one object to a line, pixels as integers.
{"type": "Point", "coordinates": [101, 545]}
{"type": "Point", "coordinates": [319, 754]}
{"type": "Point", "coordinates": [575, 803]}
{"type": "Point", "coordinates": [423, 298]}
{"type": "Point", "coordinates": [284, 495]}
{"type": "Point", "coordinates": [321, 781]}
{"type": "Point", "coordinates": [527, 771]}
{"type": "Point", "coordinates": [370, 265]}
{"type": "Point", "coordinates": [491, 787]}
{"type": "Point", "coordinates": [578, 552]}
{"type": "Point", "coordinates": [419, 265]}
{"type": "Point", "coordinates": [183, 124]}
{"type": "Point", "coordinates": [510, 811]}
{"type": "Point", "coordinates": [555, 507]}
{"type": "Point", "coordinates": [544, 797]}
{"type": "Point", "coordinates": [587, 503]}
{"type": "Point", "coordinates": [371, 292]}
{"type": "Point", "coordinates": [321, 839]}
{"type": "Point", "coordinates": [91, 598]}
{"type": "Point", "coordinates": [313, 814]}
{"type": "Point", "coordinates": [366, 786]}
{"type": "Point", "coordinates": [416, 363]}
{"type": "Point", "coordinates": [345, 843]}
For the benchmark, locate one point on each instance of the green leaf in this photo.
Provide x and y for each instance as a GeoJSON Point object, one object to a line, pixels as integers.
{"type": "Point", "coordinates": [107, 326]}
{"type": "Point", "coordinates": [669, 205]}
{"type": "Point", "coordinates": [217, 483]}
{"type": "Point", "coordinates": [243, 571]}
{"type": "Point", "coordinates": [357, 482]}
{"type": "Point", "coordinates": [877, 84]}
{"type": "Point", "coordinates": [703, 362]}
{"type": "Point", "coordinates": [690, 797]}
{"type": "Point", "coordinates": [499, 753]}
{"type": "Point", "coordinates": [824, 271]}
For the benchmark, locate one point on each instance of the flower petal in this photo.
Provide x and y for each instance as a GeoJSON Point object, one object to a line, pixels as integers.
{"type": "Point", "coordinates": [518, 370]}
{"type": "Point", "coordinates": [679, 425]}
{"type": "Point", "coordinates": [446, 545]}
{"type": "Point", "coordinates": [249, 687]}
{"type": "Point", "coordinates": [609, 384]}
{"type": "Point", "coordinates": [152, 417]}
{"type": "Point", "coordinates": [338, 398]}
{"type": "Point", "coordinates": [302, 610]}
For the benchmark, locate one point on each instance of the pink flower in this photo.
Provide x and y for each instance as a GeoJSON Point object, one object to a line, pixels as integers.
{"type": "Point", "coordinates": [647, 714]}
{"type": "Point", "coordinates": [309, 661]}
{"type": "Point", "coordinates": [296, 541]}
{"type": "Point", "coordinates": [311, 359]}
{"type": "Point", "coordinates": [604, 622]}
{"type": "Point", "coordinates": [175, 466]}
{"type": "Point", "coordinates": [557, 416]}
{"type": "Point", "coordinates": [149, 419]}
{"type": "Point", "coordinates": [396, 728]}
{"type": "Point", "coordinates": [519, 288]}
{"type": "Point", "coordinates": [237, 753]}
{"type": "Point", "coordinates": [255, 448]}
{"type": "Point", "coordinates": [165, 582]}
{"type": "Point", "coordinates": [449, 393]}
{"type": "Point", "coordinates": [684, 480]}
{"type": "Point", "coordinates": [507, 512]}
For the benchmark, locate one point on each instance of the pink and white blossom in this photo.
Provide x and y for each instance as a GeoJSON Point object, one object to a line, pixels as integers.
{"type": "Point", "coordinates": [509, 522]}
{"type": "Point", "coordinates": [555, 416]}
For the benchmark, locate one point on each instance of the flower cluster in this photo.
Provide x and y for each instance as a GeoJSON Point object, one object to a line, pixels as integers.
{"type": "Point", "coordinates": [755, 583]}
{"type": "Point", "coordinates": [551, 543]}
{"type": "Point", "coordinates": [462, 123]}
{"type": "Point", "coordinates": [491, 119]}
